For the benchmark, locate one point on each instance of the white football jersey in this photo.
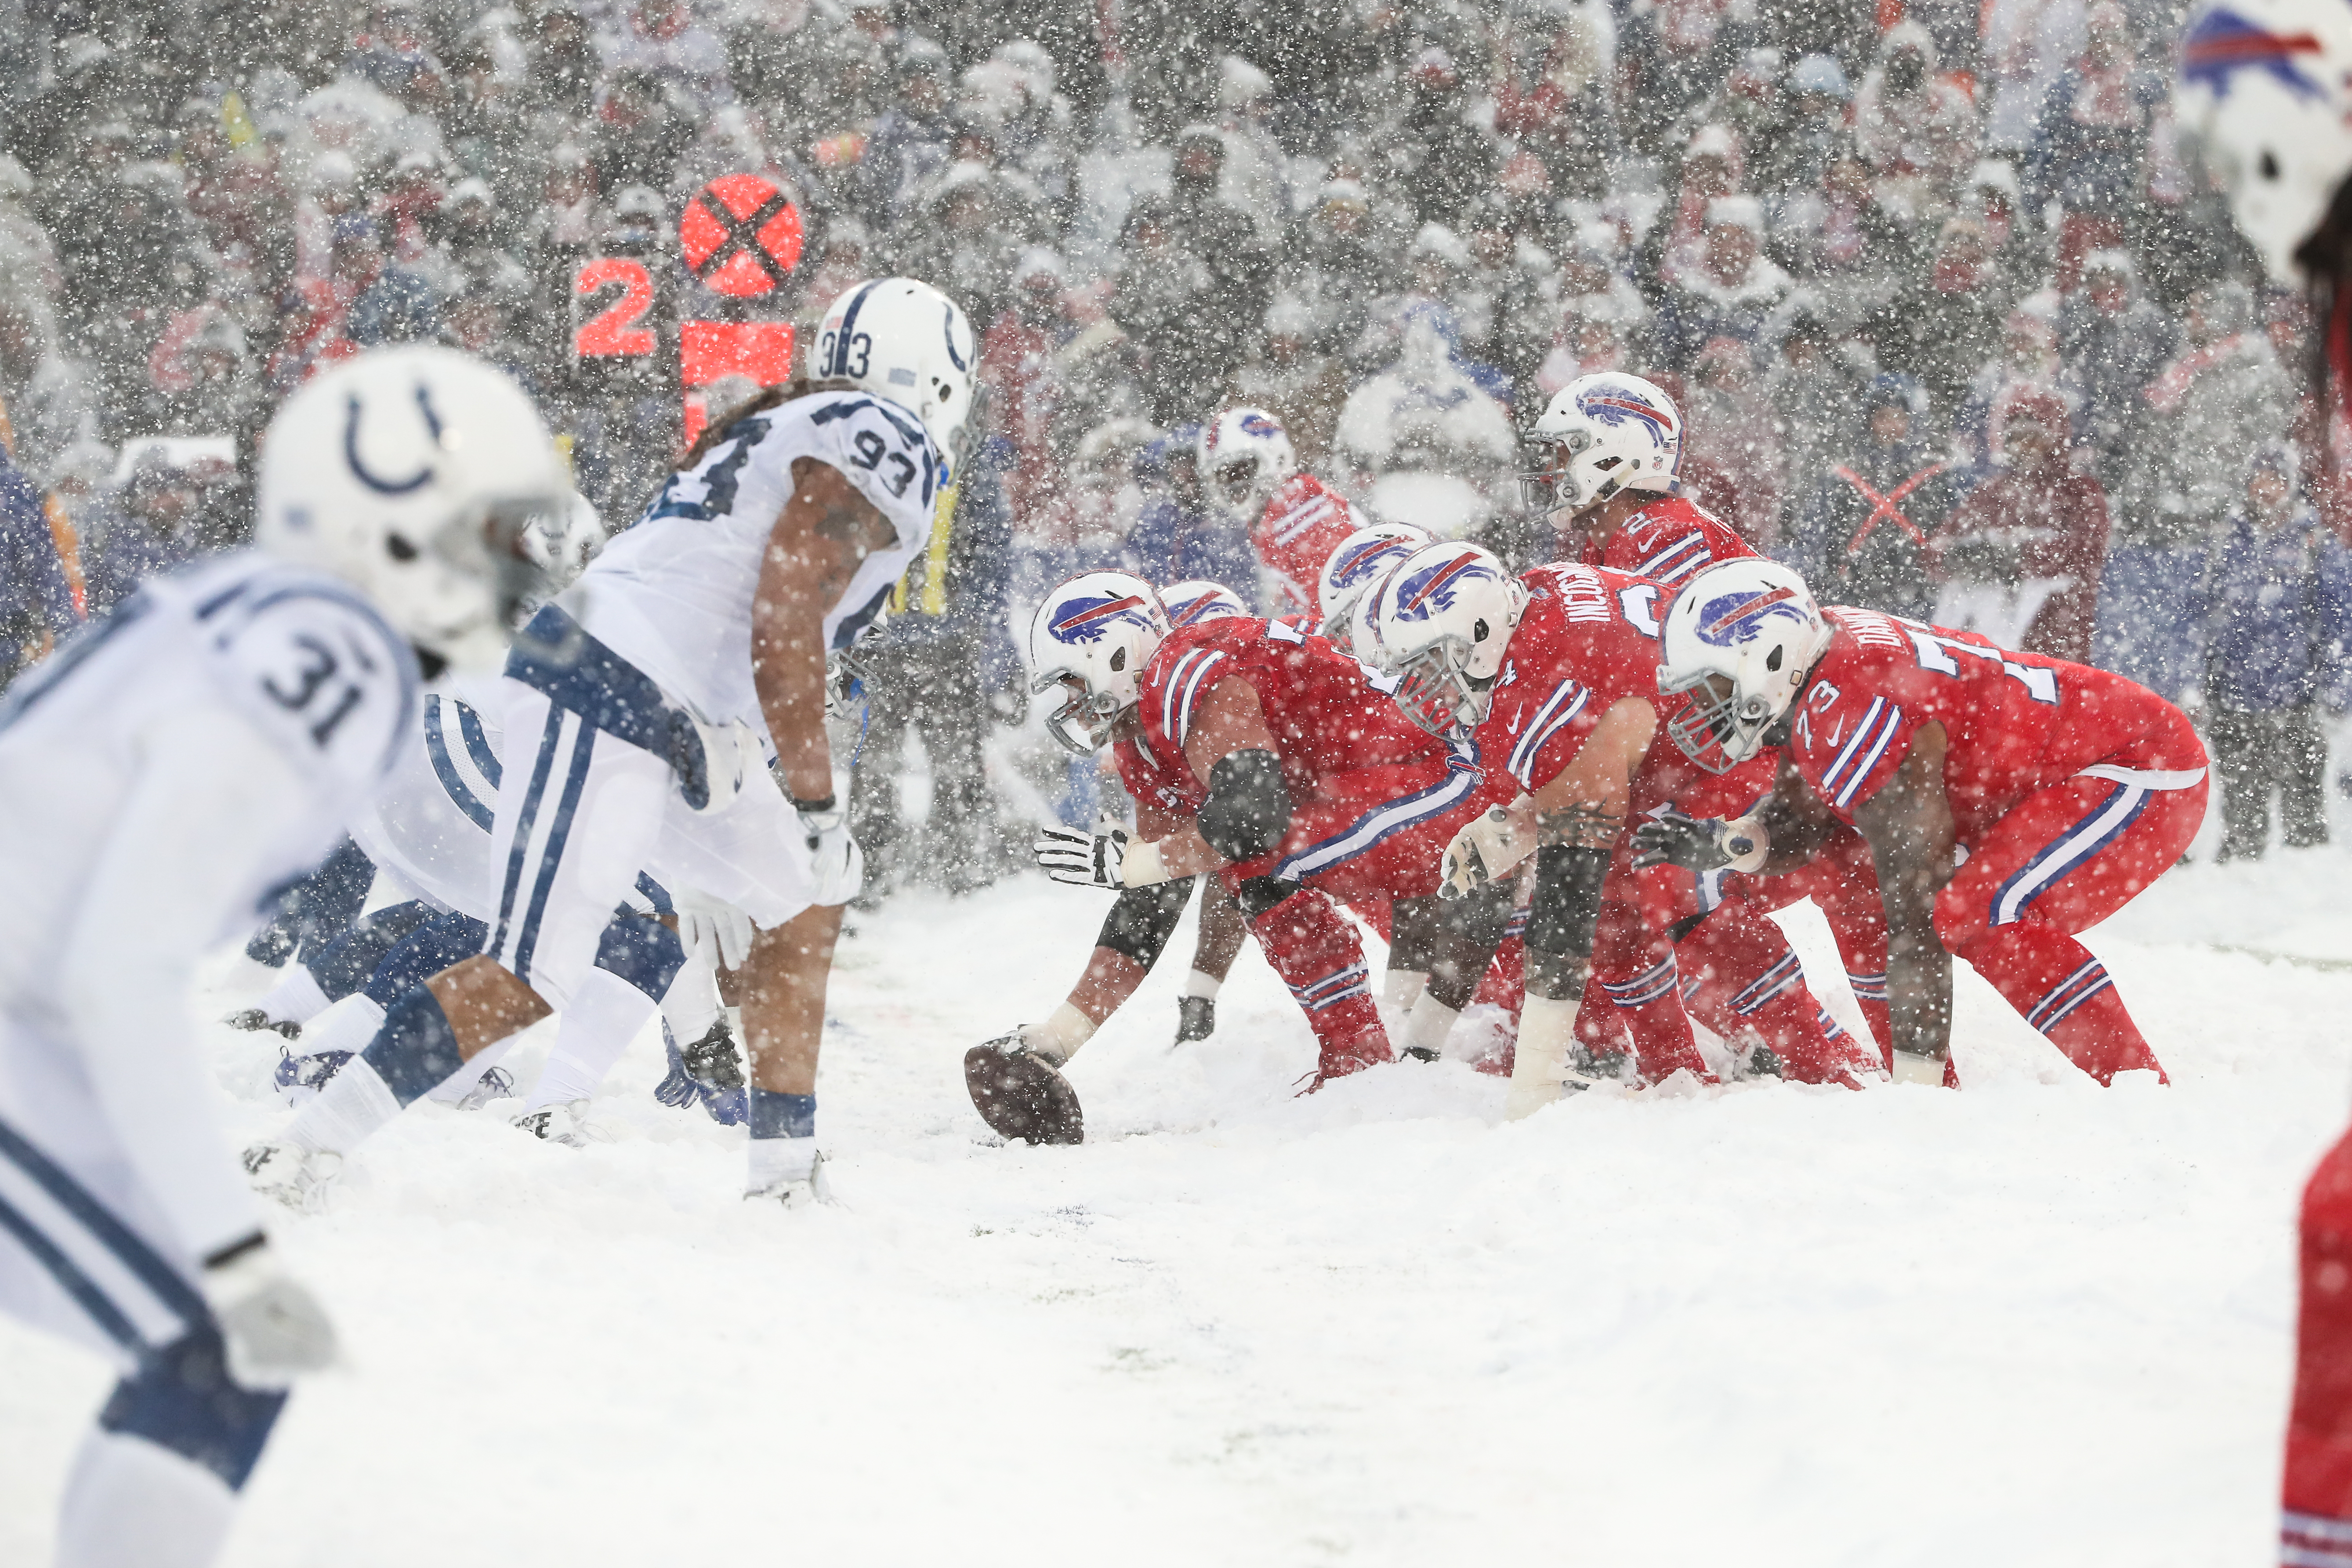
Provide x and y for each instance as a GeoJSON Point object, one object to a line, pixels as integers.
{"type": "Point", "coordinates": [282, 657]}
{"type": "Point", "coordinates": [673, 594]}
{"type": "Point", "coordinates": [429, 825]}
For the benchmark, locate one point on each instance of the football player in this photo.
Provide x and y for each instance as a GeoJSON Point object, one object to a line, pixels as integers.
{"type": "Point", "coordinates": [644, 703]}
{"type": "Point", "coordinates": [1362, 559]}
{"type": "Point", "coordinates": [2009, 801]}
{"type": "Point", "coordinates": [1249, 471]}
{"type": "Point", "coordinates": [1256, 751]}
{"type": "Point", "coordinates": [1554, 678]}
{"type": "Point", "coordinates": [160, 778]}
{"type": "Point", "coordinates": [1608, 447]}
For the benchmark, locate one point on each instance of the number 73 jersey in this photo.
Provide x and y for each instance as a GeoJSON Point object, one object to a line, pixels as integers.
{"type": "Point", "coordinates": [2014, 724]}
{"type": "Point", "coordinates": [673, 594]}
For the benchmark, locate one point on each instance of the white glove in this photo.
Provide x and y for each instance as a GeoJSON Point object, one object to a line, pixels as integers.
{"type": "Point", "coordinates": [1109, 856]}
{"type": "Point", "coordinates": [840, 865]}
{"type": "Point", "coordinates": [1488, 849]}
{"type": "Point", "coordinates": [274, 1328]}
{"type": "Point", "coordinates": [713, 926]}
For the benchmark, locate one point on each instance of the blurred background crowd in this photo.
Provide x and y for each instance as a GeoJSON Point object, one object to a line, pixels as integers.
{"type": "Point", "coordinates": [1957, 323]}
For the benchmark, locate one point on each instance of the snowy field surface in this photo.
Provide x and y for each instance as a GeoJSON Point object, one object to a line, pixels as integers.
{"type": "Point", "coordinates": [2032, 1322]}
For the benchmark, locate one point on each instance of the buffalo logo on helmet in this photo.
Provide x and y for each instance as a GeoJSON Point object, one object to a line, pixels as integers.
{"type": "Point", "coordinates": [1613, 403]}
{"type": "Point", "coordinates": [1085, 620]}
{"type": "Point", "coordinates": [1207, 604]}
{"type": "Point", "coordinates": [1430, 591]}
{"type": "Point", "coordinates": [1357, 562]}
{"type": "Point", "coordinates": [1261, 426]}
{"type": "Point", "coordinates": [2221, 43]}
{"type": "Point", "coordinates": [1736, 618]}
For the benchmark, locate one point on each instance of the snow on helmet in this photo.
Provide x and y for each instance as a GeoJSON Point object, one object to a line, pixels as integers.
{"type": "Point", "coordinates": [413, 474]}
{"type": "Point", "coordinates": [1438, 624]}
{"type": "Point", "coordinates": [2262, 90]}
{"type": "Point", "coordinates": [1356, 565]}
{"type": "Point", "coordinates": [1244, 456]}
{"type": "Point", "coordinates": [1741, 637]}
{"type": "Point", "coordinates": [1092, 636]}
{"type": "Point", "coordinates": [1603, 434]}
{"type": "Point", "coordinates": [908, 344]}
{"type": "Point", "coordinates": [1198, 599]}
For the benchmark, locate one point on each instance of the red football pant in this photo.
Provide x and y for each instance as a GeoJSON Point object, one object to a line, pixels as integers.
{"type": "Point", "coordinates": [1315, 949]}
{"type": "Point", "coordinates": [2063, 859]}
{"type": "Point", "coordinates": [1740, 976]}
{"type": "Point", "coordinates": [2317, 1495]}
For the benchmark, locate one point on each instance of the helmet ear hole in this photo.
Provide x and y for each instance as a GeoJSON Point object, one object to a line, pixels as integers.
{"type": "Point", "coordinates": [1119, 660]}
{"type": "Point", "coordinates": [1772, 660]}
{"type": "Point", "coordinates": [397, 546]}
{"type": "Point", "coordinates": [1478, 632]}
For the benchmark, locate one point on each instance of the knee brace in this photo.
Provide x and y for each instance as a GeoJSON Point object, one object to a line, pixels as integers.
{"type": "Point", "coordinates": [1248, 806]}
{"type": "Point", "coordinates": [1143, 919]}
{"type": "Point", "coordinates": [641, 950]}
{"type": "Point", "coordinates": [183, 1400]}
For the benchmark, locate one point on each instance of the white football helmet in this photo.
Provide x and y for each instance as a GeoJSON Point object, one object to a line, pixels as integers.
{"type": "Point", "coordinates": [414, 473]}
{"type": "Point", "coordinates": [908, 344]}
{"type": "Point", "coordinates": [1198, 599]}
{"type": "Point", "coordinates": [1438, 623]}
{"type": "Point", "coordinates": [2264, 90]}
{"type": "Point", "coordinates": [1092, 636]}
{"type": "Point", "coordinates": [1603, 434]}
{"type": "Point", "coordinates": [1244, 456]}
{"type": "Point", "coordinates": [1356, 565]}
{"type": "Point", "coordinates": [1741, 637]}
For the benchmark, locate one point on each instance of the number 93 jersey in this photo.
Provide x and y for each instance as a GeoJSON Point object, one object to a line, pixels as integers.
{"type": "Point", "coordinates": [234, 654]}
{"type": "Point", "coordinates": [673, 594]}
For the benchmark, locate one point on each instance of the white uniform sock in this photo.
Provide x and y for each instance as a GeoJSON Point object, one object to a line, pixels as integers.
{"type": "Point", "coordinates": [1539, 1067]}
{"type": "Point", "coordinates": [460, 1084]}
{"type": "Point", "coordinates": [130, 1504]}
{"type": "Point", "coordinates": [1431, 1022]}
{"type": "Point", "coordinates": [604, 1015]}
{"type": "Point", "coordinates": [1205, 987]}
{"type": "Point", "coordinates": [296, 998]}
{"type": "Point", "coordinates": [1401, 988]}
{"type": "Point", "coordinates": [349, 1110]}
{"type": "Point", "coordinates": [348, 1026]}
{"type": "Point", "coordinates": [776, 1162]}
{"type": "Point", "coordinates": [691, 1003]}
{"type": "Point", "coordinates": [1057, 1039]}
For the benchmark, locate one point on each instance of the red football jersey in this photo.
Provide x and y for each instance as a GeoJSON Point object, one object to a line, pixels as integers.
{"type": "Point", "coordinates": [1303, 523]}
{"type": "Point", "coordinates": [1326, 717]}
{"type": "Point", "coordinates": [2015, 723]}
{"type": "Point", "coordinates": [1669, 539]}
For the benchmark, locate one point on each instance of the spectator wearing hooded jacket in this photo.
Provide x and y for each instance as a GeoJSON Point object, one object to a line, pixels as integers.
{"type": "Point", "coordinates": [2224, 396]}
{"type": "Point", "coordinates": [1863, 539]}
{"type": "Point", "coordinates": [2281, 619]}
{"type": "Point", "coordinates": [2019, 558]}
{"type": "Point", "coordinates": [1730, 292]}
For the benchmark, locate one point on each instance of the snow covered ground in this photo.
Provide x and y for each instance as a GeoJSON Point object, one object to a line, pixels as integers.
{"type": "Point", "coordinates": [2032, 1322]}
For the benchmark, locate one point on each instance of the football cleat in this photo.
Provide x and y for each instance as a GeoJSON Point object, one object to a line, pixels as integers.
{"type": "Point", "coordinates": [1196, 1019]}
{"type": "Point", "coordinates": [497, 1083]}
{"type": "Point", "coordinates": [299, 1079]}
{"type": "Point", "coordinates": [567, 1124]}
{"type": "Point", "coordinates": [708, 1073]}
{"type": "Point", "coordinates": [291, 1174]}
{"type": "Point", "coordinates": [255, 1019]}
{"type": "Point", "coordinates": [1022, 1096]}
{"type": "Point", "coordinates": [799, 1192]}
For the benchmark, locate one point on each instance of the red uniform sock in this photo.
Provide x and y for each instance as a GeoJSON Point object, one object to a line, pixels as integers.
{"type": "Point", "coordinates": [1312, 946]}
{"type": "Point", "coordinates": [2064, 992]}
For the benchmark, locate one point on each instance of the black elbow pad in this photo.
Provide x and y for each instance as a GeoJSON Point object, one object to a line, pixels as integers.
{"type": "Point", "coordinates": [1566, 900]}
{"type": "Point", "coordinates": [1142, 920]}
{"type": "Point", "coordinates": [1248, 808]}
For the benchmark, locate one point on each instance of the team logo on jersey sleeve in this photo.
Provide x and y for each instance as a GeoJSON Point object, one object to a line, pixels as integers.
{"type": "Point", "coordinates": [1736, 618]}
{"type": "Point", "coordinates": [1430, 591]}
{"type": "Point", "coordinates": [1085, 620]}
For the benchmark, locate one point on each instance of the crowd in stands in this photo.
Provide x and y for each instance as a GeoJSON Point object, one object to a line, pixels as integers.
{"type": "Point", "coordinates": [1957, 324]}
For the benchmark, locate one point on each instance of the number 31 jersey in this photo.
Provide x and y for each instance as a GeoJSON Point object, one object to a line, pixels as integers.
{"type": "Point", "coordinates": [673, 594]}
{"type": "Point", "coordinates": [2014, 722]}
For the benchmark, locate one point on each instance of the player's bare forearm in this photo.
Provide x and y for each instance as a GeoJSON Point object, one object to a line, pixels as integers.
{"type": "Point", "coordinates": [1225, 718]}
{"type": "Point", "coordinates": [1795, 822]}
{"type": "Point", "coordinates": [821, 537]}
{"type": "Point", "coordinates": [1588, 797]}
{"type": "Point", "coordinates": [1908, 824]}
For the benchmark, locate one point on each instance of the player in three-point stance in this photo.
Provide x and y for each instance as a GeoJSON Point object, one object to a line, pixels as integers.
{"type": "Point", "coordinates": [1554, 678]}
{"type": "Point", "coordinates": [160, 780]}
{"type": "Point", "coordinates": [2059, 792]}
{"type": "Point", "coordinates": [643, 707]}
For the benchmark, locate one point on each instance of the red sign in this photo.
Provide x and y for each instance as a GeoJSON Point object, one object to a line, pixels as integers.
{"type": "Point", "coordinates": [708, 350]}
{"type": "Point", "coordinates": [741, 235]}
{"type": "Point", "coordinates": [611, 331]}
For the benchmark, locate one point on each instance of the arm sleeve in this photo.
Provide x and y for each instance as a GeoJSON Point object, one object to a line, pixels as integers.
{"type": "Point", "coordinates": [1848, 752]}
{"type": "Point", "coordinates": [210, 789]}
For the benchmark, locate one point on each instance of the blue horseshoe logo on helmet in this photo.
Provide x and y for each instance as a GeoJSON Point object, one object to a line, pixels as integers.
{"type": "Point", "coordinates": [415, 482]}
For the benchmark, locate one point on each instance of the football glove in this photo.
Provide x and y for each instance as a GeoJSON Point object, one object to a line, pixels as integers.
{"type": "Point", "coordinates": [1484, 850]}
{"type": "Point", "coordinates": [713, 926]}
{"type": "Point", "coordinates": [274, 1328]}
{"type": "Point", "coordinates": [1084, 860]}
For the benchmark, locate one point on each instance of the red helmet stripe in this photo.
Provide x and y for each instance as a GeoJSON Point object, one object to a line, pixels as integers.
{"type": "Point", "coordinates": [1439, 581]}
{"type": "Point", "coordinates": [1731, 618]}
{"type": "Point", "coordinates": [1085, 617]}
